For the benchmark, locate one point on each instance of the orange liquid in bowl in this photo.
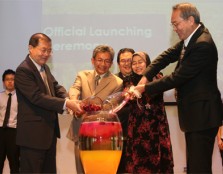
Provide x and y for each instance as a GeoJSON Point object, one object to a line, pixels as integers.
{"type": "Point", "coordinates": [100, 161]}
{"type": "Point", "coordinates": [100, 146]}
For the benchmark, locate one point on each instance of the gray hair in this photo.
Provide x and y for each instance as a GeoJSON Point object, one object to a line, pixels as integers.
{"type": "Point", "coordinates": [103, 49]}
{"type": "Point", "coordinates": [188, 10]}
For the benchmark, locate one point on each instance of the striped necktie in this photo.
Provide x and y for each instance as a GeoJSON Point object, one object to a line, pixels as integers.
{"type": "Point", "coordinates": [182, 52]}
{"type": "Point", "coordinates": [97, 78]}
{"type": "Point", "coordinates": [44, 77]}
{"type": "Point", "coordinates": [179, 62]}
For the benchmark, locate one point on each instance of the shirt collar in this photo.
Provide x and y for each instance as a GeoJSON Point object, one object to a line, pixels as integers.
{"type": "Point", "coordinates": [7, 92]}
{"type": "Point", "coordinates": [126, 75]}
{"type": "Point", "coordinates": [102, 75]}
{"type": "Point", "coordinates": [36, 64]}
{"type": "Point", "coordinates": [186, 41]}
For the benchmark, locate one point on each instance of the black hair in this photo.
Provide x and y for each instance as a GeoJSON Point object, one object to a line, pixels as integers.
{"type": "Point", "coordinates": [34, 40]}
{"type": "Point", "coordinates": [7, 72]}
{"type": "Point", "coordinates": [123, 50]}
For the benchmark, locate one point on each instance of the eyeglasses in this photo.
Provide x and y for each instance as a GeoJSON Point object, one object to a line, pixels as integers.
{"type": "Point", "coordinates": [124, 61]}
{"type": "Point", "coordinates": [176, 24]}
{"type": "Point", "coordinates": [44, 51]}
{"type": "Point", "coordinates": [105, 61]}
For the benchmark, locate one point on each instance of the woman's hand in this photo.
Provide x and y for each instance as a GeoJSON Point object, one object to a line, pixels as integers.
{"type": "Point", "coordinates": [143, 80]}
{"type": "Point", "coordinates": [140, 88]}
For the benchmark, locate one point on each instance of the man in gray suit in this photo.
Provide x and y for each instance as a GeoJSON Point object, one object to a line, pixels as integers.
{"type": "Point", "coordinates": [195, 79]}
{"type": "Point", "coordinates": [85, 85]}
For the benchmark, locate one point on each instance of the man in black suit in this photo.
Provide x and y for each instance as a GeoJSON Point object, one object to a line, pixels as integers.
{"type": "Point", "coordinates": [124, 59]}
{"type": "Point", "coordinates": [195, 79]}
{"type": "Point", "coordinates": [40, 99]}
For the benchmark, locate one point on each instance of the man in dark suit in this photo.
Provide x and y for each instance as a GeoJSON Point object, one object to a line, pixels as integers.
{"type": "Point", "coordinates": [40, 99]}
{"type": "Point", "coordinates": [195, 79]}
{"type": "Point", "coordinates": [124, 60]}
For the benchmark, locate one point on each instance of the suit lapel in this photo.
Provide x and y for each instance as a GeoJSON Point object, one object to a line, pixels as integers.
{"type": "Point", "coordinates": [91, 81]}
{"type": "Point", "coordinates": [38, 76]}
{"type": "Point", "coordinates": [35, 70]}
{"type": "Point", "coordinates": [193, 39]}
{"type": "Point", "coordinates": [197, 34]}
{"type": "Point", "coordinates": [47, 70]}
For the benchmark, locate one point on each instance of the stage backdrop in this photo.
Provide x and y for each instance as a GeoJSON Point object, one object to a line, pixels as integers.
{"type": "Point", "coordinates": [77, 26]}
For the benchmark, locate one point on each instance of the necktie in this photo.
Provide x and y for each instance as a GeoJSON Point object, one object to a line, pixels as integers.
{"type": "Point", "coordinates": [181, 57]}
{"type": "Point", "coordinates": [182, 52]}
{"type": "Point", "coordinates": [7, 113]}
{"type": "Point", "coordinates": [97, 78]}
{"type": "Point", "coordinates": [44, 77]}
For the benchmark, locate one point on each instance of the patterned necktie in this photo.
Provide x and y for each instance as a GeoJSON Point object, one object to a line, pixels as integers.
{"type": "Point", "coordinates": [181, 58]}
{"type": "Point", "coordinates": [182, 52]}
{"type": "Point", "coordinates": [7, 113]}
{"type": "Point", "coordinates": [97, 78]}
{"type": "Point", "coordinates": [44, 77]}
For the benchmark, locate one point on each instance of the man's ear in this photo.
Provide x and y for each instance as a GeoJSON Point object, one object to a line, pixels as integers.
{"type": "Point", "coordinates": [30, 48]}
{"type": "Point", "coordinates": [191, 20]}
{"type": "Point", "coordinates": [92, 61]}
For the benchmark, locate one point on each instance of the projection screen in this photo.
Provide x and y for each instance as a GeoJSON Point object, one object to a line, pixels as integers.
{"type": "Point", "coordinates": [77, 26]}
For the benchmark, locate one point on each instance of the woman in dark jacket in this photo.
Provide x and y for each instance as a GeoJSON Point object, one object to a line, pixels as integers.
{"type": "Point", "coordinates": [148, 148]}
